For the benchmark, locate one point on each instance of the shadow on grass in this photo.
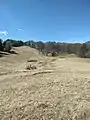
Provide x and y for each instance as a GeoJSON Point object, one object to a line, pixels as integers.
{"type": "Point", "coordinates": [2, 54]}
{"type": "Point", "coordinates": [13, 52]}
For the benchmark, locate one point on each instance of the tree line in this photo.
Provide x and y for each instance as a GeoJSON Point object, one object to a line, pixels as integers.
{"type": "Point", "coordinates": [55, 48]}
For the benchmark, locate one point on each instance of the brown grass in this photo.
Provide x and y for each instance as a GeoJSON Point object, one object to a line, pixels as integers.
{"type": "Point", "coordinates": [59, 89]}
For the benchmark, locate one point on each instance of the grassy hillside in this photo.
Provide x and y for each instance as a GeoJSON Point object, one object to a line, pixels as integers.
{"type": "Point", "coordinates": [58, 89]}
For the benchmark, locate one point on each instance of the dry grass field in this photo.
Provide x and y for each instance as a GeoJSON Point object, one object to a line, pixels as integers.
{"type": "Point", "coordinates": [57, 89]}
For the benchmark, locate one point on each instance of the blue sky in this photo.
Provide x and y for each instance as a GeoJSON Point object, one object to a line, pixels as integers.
{"type": "Point", "coordinates": [47, 20]}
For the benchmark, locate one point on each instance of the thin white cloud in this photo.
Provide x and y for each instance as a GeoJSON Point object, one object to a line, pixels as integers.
{"type": "Point", "coordinates": [19, 29]}
{"type": "Point", "coordinates": [4, 32]}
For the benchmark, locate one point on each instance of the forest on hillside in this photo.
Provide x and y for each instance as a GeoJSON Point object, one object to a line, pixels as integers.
{"type": "Point", "coordinates": [55, 48]}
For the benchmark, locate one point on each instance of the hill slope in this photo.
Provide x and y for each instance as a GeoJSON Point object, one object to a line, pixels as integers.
{"type": "Point", "coordinates": [22, 54]}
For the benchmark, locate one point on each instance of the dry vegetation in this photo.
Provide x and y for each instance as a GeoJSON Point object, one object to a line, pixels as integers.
{"type": "Point", "coordinates": [59, 89]}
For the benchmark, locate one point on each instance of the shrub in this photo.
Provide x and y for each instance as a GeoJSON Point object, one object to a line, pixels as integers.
{"type": "Point", "coordinates": [29, 67]}
{"type": "Point", "coordinates": [8, 46]}
{"type": "Point", "coordinates": [83, 51]}
{"type": "Point", "coordinates": [1, 45]}
{"type": "Point", "coordinates": [88, 54]}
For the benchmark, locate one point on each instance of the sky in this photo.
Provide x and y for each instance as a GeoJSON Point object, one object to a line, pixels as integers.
{"type": "Point", "coordinates": [45, 20]}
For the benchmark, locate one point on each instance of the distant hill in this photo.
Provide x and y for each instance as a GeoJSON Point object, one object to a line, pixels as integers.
{"type": "Point", "coordinates": [88, 42]}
